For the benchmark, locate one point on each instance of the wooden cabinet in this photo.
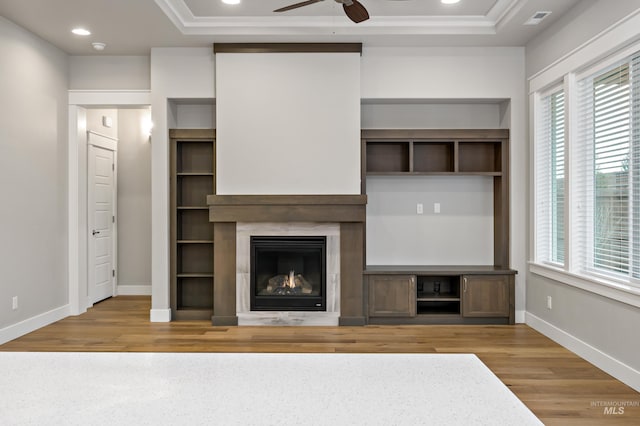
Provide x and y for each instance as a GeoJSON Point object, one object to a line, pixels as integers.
{"type": "Point", "coordinates": [485, 296]}
{"type": "Point", "coordinates": [392, 295]}
{"type": "Point", "coordinates": [440, 295]}
{"type": "Point", "coordinates": [192, 179]}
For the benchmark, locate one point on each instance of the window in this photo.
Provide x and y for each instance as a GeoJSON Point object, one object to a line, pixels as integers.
{"type": "Point", "coordinates": [550, 202]}
{"type": "Point", "coordinates": [606, 182]}
{"type": "Point", "coordinates": [602, 140]}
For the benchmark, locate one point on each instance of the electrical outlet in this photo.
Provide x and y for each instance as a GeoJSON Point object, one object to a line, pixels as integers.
{"type": "Point", "coordinates": [14, 303]}
{"type": "Point", "coordinates": [549, 302]}
{"type": "Point", "coordinates": [436, 207]}
{"type": "Point", "coordinates": [420, 208]}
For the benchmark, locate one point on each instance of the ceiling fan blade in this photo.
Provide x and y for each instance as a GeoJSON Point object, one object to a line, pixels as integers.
{"type": "Point", "coordinates": [356, 11]}
{"type": "Point", "coordinates": [297, 5]}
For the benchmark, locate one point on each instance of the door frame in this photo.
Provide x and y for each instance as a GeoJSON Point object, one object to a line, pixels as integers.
{"type": "Point", "coordinates": [79, 101]}
{"type": "Point", "coordinates": [108, 143]}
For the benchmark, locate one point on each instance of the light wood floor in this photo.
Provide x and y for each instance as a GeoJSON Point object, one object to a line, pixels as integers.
{"type": "Point", "coordinates": [558, 386]}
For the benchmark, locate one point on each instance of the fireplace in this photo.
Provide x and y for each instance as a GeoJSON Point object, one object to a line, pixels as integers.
{"type": "Point", "coordinates": [288, 273]}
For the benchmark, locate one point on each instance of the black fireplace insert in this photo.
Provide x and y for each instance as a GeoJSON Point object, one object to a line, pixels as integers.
{"type": "Point", "coordinates": [288, 273]}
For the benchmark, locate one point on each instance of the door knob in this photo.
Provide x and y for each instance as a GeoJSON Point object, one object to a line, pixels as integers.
{"type": "Point", "coordinates": [95, 232]}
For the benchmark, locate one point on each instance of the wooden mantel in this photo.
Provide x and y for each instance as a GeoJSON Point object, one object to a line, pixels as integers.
{"type": "Point", "coordinates": [347, 210]}
{"type": "Point", "coordinates": [287, 208]}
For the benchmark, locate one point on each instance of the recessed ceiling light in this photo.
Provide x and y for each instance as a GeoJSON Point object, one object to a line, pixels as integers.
{"type": "Point", "coordinates": [449, 1]}
{"type": "Point", "coordinates": [81, 31]}
{"type": "Point", "coordinates": [231, 1]}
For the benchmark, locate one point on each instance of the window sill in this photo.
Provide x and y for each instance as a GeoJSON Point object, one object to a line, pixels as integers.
{"type": "Point", "coordinates": [610, 289]}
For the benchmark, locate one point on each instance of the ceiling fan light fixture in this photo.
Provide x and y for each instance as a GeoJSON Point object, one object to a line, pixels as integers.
{"type": "Point", "coordinates": [449, 1]}
{"type": "Point", "coordinates": [352, 8]}
{"type": "Point", "coordinates": [231, 1]}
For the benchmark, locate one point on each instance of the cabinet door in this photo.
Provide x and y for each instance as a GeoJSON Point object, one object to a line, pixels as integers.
{"type": "Point", "coordinates": [392, 295]}
{"type": "Point", "coordinates": [485, 296]}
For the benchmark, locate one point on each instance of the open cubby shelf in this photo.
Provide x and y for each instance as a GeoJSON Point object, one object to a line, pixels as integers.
{"type": "Point", "coordinates": [434, 152]}
{"type": "Point", "coordinates": [388, 157]}
{"type": "Point", "coordinates": [192, 179]}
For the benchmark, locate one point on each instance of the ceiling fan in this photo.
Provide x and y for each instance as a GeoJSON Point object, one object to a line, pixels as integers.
{"type": "Point", "coordinates": [352, 8]}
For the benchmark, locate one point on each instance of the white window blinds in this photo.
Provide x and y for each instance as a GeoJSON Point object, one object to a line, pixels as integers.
{"type": "Point", "coordinates": [606, 212]}
{"type": "Point", "coordinates": [550, 179]}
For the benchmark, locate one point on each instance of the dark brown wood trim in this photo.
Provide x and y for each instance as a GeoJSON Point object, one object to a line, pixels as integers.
{"type": "Point", "coordinates": [287, 208]}
{"type": "Point", "coordinates": [220, 321]}
{"type": "Point", "coordinates": [352, 302]}
{"type": "Point", "coordinates": [438, 270]}
{"type": "Point", "coordinates": [224, 281]}
{"type": "Point", "coordinates": [285, 200]}
{"type": "Point", "coordinates": [192, 133]}
{"type": "Point", "coordinates": [287, 48]}
{"type": "Point", "coordinates": [457, 134]}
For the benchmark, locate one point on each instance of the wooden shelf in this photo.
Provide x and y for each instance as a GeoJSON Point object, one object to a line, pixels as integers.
{"type": "Point", "coordinates": [425, 153]}
{"type": "Point", "coordinates": [192, 180]}
{"type": "Point", "coordinates": [194, 275]}
{"type": "Point", "coordinates": [436, 298]}
{"type": "Point", "coordinates": [194, 174]}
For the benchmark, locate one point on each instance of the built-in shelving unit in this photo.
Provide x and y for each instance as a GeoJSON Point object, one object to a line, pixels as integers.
{"type": "Point", "coordinates": [423, 294]}
{"type": "Point", "coordinates": [192, 179]}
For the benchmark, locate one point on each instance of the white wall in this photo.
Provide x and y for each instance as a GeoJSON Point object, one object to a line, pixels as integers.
{"type": "Point", "coordinates": [288, 123]}
{"type": "Point", "coordinates": [193, 115]}
{"type": "Point", "coordinates": [422, 114]}
{"type": "Point", "coordinates": [95, 123]}
{"type": "Point", "coordinates": [33, 173]}
{"type": "Point", "coordinates": [134, 202]}
{"type": "Point", "coordinates": [109, 72]}
{"type": "Point", "coordinates": [461, 234]}
{"type": "Point", "coordinates": [598, 327]}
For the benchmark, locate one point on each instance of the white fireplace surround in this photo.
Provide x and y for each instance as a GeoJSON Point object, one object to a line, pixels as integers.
{"type": "Point", "coordinates": [244, 231]}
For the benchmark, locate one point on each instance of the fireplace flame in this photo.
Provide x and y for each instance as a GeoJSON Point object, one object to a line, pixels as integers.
{"type": "Point", "coordinates": [292, 280]}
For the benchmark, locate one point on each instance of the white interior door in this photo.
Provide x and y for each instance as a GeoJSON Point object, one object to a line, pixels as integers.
{"type": "Point", "coordinates": [101, 221]}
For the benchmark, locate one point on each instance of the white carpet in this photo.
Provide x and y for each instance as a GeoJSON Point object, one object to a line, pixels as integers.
{"type": "Point", "coordinates": [253, 389]}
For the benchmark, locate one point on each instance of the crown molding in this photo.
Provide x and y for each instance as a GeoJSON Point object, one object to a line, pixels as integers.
{"type": "Point", "coordinates": [186, 22]}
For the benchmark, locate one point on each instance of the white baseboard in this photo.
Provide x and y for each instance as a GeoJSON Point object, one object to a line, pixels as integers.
{"type": "Point", "coordinates": [520, 317]}
{"type": "Point", "coordinates": [610, 365]}
{"type": "Point", "coordinates": [27, 326]}
{"type": "Point", "coordinates": [134, 289]}
{"type": "Point", "coordinates": [160, 315]}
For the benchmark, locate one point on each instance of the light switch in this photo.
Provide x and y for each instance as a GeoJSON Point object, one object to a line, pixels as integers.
{"type": "Point", "coordinates": [436, 207]}
{"type": "Point", "coordinates": [419, 208]}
